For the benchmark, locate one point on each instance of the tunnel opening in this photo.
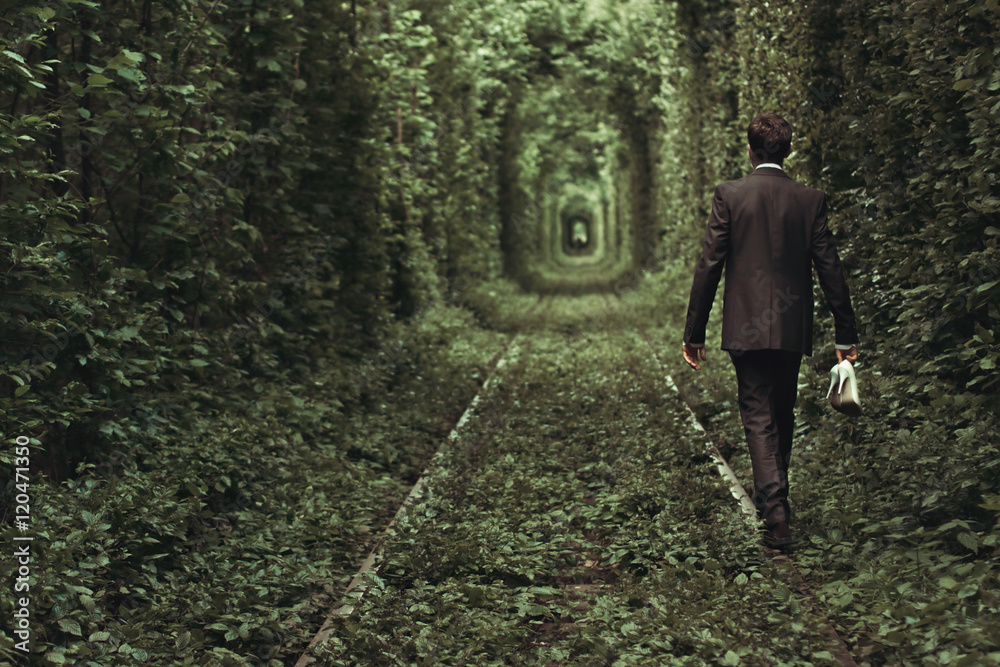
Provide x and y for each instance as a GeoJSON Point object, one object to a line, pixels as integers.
{"type": "Point", "coordinates": [576, 211]}
{"type": "Point", "coordinates": [577, 236]}
{"type": "Point", "coordinates": [575, 168]}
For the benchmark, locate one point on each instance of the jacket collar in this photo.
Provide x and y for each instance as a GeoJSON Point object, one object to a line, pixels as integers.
{"type": "Point", "coordinates": [770, 171]}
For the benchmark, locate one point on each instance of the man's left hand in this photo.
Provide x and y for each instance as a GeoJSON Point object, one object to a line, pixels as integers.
{"type": "Point", "coordinates": [691, 354]}
{"type": "Point", "coordinates": [851, 355]}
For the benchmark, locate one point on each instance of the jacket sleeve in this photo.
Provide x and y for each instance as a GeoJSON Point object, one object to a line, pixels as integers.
{"type": "Point", "coordinates": [708, 271]}
{"type": "Point", "coordinates": [831, 278]}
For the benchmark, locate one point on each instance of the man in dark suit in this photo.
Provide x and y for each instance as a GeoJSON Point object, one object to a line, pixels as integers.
{"type": "Point", "coordinates": [768, 231]}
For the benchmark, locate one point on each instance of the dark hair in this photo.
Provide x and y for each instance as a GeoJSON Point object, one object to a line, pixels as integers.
{"type": "Point", "coordinates": [770, 137]}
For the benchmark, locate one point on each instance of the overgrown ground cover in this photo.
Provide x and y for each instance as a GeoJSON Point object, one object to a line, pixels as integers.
{"type": "Point", "coordinates": [896, 511]}
{"type": "Point", "coordinates": [577, 520]}
{"type": "Point", "coordinates": [228, 547]}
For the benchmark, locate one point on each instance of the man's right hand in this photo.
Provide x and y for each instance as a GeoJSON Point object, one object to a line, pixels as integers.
{"type": "Point", "coordinates": [691, 354]}
{"type": "Point", "coordinates": [851, 355]}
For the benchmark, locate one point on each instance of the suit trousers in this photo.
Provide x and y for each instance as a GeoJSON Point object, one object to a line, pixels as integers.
{"type": "Point", "coordinates": [767, 389]}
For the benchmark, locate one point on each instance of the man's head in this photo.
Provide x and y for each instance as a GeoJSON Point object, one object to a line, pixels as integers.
{"type": "Point", "coordinates": [770, 138]}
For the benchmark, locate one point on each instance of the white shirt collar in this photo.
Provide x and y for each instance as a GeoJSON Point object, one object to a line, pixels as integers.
{"type": "Point", "coordinates": [769, 164]}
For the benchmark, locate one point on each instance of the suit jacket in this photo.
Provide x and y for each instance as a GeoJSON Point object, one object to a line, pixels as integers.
{"type": "Point", "coordinates": [768, 230]}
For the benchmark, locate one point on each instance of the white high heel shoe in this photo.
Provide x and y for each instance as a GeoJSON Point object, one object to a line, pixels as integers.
{"type": "Point", "coordinates": [843, 393]}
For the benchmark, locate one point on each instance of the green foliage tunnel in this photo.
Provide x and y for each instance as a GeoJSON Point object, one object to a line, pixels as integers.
{"type": "Point", "coordinates": [234, 234]}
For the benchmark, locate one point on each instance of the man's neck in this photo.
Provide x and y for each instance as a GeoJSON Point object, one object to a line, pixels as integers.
{"type": "Point", "coordinates": [773, 165]}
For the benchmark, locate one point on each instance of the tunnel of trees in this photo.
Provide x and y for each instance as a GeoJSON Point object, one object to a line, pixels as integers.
{"type": "Point", "coordinates": [236, 233]}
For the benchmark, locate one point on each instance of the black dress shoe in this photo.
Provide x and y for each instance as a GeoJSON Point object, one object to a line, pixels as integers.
{"type": "Point", "coordinates": [779, 535]}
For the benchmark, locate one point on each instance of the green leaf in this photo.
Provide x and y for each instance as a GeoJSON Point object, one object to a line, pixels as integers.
{"type": "Point", "coordinates": [131, 74]}
{"type": "Point", "coordinates": [129, 332]}
{"type": "Point", "coordinates": [43, 13]}
{"type": "Point", "coordinates": [14, 56]}
{"type": "Point", "coordinates": [987, 286]}
{"type": "Point", "coordinates": [70, 626]}
{"type": "Point", "coordinates": [98, 80]}
{"type": "Point", "coordinates": [969, 541]}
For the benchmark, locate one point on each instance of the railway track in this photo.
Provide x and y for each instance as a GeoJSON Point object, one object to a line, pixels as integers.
{"type": "Point", "coordinates": [785, 565]}
{"type": "Point", "coordinates": [516, 352]}
{"type": "Point", "coordinates": [358, 585]}
{"type": "Point", "coordinates": [746, 507]}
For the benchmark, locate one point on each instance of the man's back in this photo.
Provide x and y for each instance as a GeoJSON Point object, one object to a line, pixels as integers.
{"type": "Point", "coordinates": [768, 292]}
{"type": "Point", "coordinates": [767, 229]}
